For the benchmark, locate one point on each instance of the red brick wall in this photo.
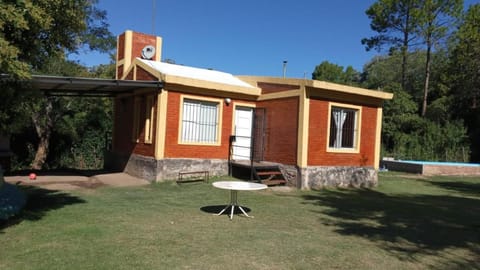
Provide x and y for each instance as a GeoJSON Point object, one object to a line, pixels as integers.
{"type": "Point", "coordinates": [143, 75]}
{"type": "Point", "coordinates": [120, 72]}
{"type": "Point", "coordinates": [175, 150]}
{"type": "Point", "coordinates": [129, 76]}
{"type": "Point", "coordinates": [123, 125]}
{"type": "Point", "coordinates": [123, 128]}
{"type": "Point", "coordinates": [281, 130]}
{"type": "Point", "coordinates": [317, 139]}
{"type": "Point", "coordinates": [141, 40]}
{"type": "Point", "coordinates": [121, 46]}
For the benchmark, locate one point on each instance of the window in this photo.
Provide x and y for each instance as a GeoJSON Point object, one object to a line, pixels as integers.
{"type": "Point", "coordinates": [200, 121]}
{"type": "Point", "coordinates": [149, 110]}
{"type": "Point", "coordinates": [343, 128]}
{"type": "Point", "coordinates": [136, 119]}
{"type": "Point", "coordinates": [143, 118]}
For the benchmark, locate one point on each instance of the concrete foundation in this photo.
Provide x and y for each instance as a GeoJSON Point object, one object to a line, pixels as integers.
{"type": "Point", "coordinates": [154, 170]}
{"type": "Point", "coordinates": [319, 177]}
{"type": "Point", "coordinates": [313, 177]}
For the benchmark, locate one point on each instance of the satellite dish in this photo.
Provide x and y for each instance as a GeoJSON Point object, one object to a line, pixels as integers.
{"type": "Point", "coordinates": [148, 52]}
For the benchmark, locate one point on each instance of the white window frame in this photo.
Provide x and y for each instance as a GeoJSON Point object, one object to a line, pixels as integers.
{"type": "Point", "coordinates": [194, 131]}
{"type": "Point", "coordinates": [341, 116]}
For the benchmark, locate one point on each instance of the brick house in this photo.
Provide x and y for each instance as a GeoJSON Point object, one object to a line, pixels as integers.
{"type": "Point", "coordinates": [318, 133]}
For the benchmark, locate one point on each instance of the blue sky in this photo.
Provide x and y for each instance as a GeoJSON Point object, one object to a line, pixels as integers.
{"type": "Point", "coordinates": [248, 37]}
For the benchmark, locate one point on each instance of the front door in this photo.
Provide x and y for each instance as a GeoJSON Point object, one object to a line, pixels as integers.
{"type": "Point", "coordinates": [243, 133]}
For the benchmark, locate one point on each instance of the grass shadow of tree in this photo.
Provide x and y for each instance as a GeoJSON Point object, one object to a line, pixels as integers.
{"type": "Point", "coordinates": [405, 225]}
{"type": "Point", "coordinates": [39, 202]}
{"type": "Point", "coordinates": [466, 188]}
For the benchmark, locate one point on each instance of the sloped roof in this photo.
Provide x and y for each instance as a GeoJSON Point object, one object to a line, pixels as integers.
{"type": "Point", "coordinates": [196, 73]}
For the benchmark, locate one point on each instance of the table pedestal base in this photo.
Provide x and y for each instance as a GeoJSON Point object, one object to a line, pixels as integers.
{"type": "Point", "coordinates": [233, 204]}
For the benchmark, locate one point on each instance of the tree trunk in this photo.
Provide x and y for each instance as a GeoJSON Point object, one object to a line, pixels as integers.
{"type": "Point", "coordinates": [42, 152]}
{"type": "Point", "coordinates": [43, 125]}
{"type": "Point", "coordinates": [427, 77]}
{"type": "Point", "coordinates": [405, 49]}
{"type": "Point", "coordinates": [404, 67]}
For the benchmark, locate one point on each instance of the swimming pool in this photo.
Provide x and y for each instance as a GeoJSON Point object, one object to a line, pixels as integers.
{"type": "Point", "coordinates": [431, 167]}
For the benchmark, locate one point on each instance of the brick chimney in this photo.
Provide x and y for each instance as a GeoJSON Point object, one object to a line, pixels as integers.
{"type": "Point", "coordinates": [131, 45]}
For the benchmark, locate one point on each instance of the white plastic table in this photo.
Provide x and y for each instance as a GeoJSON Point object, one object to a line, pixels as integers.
{"type": "Point", "coordinates": [234, 187]}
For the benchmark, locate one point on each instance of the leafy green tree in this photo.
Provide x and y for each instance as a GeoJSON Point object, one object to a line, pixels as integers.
{"type": "Point", "coordinates": [405, 134]}
{"type": "Point", "coordinates": [464, 71]}
{"type": "Point", "coordinates": [330, 72]}
{"type": "Point", "coordinates": [394, 21]}
{"type": "Point", "coordinates": [382, 71]}
{"type": "Point", "coordinates": [36, 37]}
{"type": "Point", "coordinates": [465, 60]}
{"type": "Point", "coordinates": [436, 20]}
{"type": "Point", "coordinates": [34, 31]}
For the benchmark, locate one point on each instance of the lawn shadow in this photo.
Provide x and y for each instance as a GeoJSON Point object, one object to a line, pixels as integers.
{"type": "Point", "coordinates": [467, 188]}
{"type": "Point", "coordinates": [39, 202]}
{"type": "Point", "coordinates": [215, 209]}
{"type": "Point", "coordinates": [404, 225]}
{"type": "Point", "coordinates": [63, 172]}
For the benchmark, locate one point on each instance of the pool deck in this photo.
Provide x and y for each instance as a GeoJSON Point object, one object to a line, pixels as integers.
{"type": "Point", "coordinates": [430, 168]}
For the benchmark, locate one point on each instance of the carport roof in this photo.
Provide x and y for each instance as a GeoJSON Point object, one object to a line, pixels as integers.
{"type": "Point", "coordinates": [78, 86]}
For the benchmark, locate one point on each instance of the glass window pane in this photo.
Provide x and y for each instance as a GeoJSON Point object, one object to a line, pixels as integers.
{"type": "Point", "coordinates": [343, 128]}
{"type": "Point", "coordinates": [199, 121]}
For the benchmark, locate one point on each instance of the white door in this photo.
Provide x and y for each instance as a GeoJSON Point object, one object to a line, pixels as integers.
{"type": "Point", "coordinates": [243, 133]}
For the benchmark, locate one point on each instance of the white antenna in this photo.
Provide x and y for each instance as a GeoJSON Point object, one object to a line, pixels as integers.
{"type": "Point", "coordinates": [285, 68]}
{"type": "Point", "coordinates": [153, 16]}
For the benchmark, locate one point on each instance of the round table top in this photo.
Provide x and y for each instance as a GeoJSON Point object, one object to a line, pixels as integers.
{"type": "Point", "coordinates": [238, 185]}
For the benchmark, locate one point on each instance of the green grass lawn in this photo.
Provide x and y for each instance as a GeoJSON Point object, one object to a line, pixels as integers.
{"type": "Point", "coordinates": [407, 222]}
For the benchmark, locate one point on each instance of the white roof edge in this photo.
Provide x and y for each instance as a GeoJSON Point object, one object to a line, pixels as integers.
{"type": "Point", "coordinates": [196, 73]}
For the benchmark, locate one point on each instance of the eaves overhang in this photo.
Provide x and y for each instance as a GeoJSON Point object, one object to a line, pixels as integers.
{"type": "Point", "coordinates": [79, 86]}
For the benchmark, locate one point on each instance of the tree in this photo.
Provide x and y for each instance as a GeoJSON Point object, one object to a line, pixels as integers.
{"type": "Point", "coordinates": [435, 20]}
{"type": "Point", "coordinates": [330, 72]}
{"type": "Point", "coordinates": [394, 21]}
{"type": "Point", "coordinates": [405, 134]}
{"type": "Point", "coordinates": [465, 60]}
{"type": "Point", "coordinates": [35, 33]}
{"type": "Point", "coordinates": [382, 72]}
{"type": "Point", "coordinates": [464, 72]}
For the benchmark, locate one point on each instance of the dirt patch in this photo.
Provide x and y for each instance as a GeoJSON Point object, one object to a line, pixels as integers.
{"type": "Point", "coordinates": [76, 182]}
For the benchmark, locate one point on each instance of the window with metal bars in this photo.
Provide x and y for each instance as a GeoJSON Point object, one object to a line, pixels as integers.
{"type": "Point", "coordinates": [343, 128]}
{"type": "Point", "coordinates": [199, 121]}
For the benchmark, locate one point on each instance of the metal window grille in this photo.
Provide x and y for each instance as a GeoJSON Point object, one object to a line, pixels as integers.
{"type": "Point", "coordinates": [199, 121]}
{"type": "Point", "coordinates": [343, 128]}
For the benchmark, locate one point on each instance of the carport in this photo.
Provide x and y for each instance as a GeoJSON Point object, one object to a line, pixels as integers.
{"type": "Point", "coordinates": [73, 87]}
{"type": "Point", "coordinates": [92, 87]}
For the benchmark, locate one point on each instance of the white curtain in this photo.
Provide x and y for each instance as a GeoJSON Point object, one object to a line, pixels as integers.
{"type": "Point", "coordinates": [339, 117]}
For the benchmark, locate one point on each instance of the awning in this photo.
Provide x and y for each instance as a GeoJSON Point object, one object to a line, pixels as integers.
{"type": "Point", "coordinates": [77, 86]}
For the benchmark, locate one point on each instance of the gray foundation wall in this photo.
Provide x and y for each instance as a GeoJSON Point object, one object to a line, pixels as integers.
{"type": "Point", "coordinates": [165, 169]}
{"type": "Point", "coordinates": [168, 169]}
{"type": "Point", "coordinates": [319, 177]}
{"type": "Point", "coordinates": [313, 177]}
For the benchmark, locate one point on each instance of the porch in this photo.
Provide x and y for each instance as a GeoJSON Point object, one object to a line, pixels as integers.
{"type": "Point", "coordinates": [268, 173]}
